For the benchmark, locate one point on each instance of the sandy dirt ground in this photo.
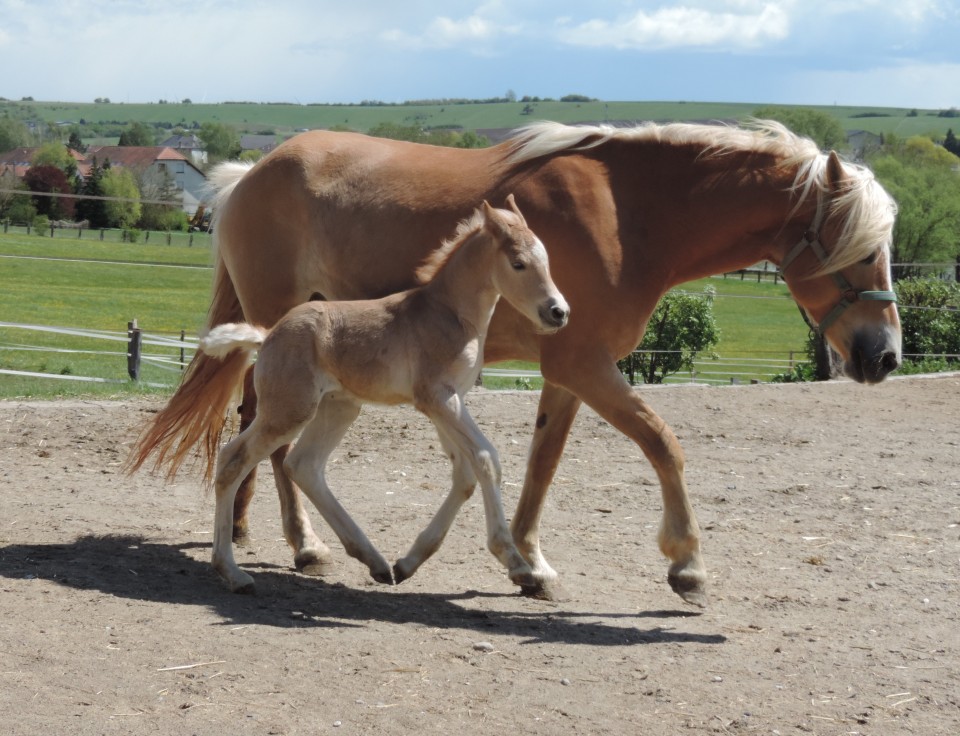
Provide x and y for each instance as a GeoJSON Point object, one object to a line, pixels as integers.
{"type": "Point", "coordinates": [831, 529]}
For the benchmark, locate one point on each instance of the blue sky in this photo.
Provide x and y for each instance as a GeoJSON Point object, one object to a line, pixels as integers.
{"type": "Point", "coordinates": [898, 53]}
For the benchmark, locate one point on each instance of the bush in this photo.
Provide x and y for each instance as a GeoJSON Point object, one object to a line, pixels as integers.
{"type": "Point", "coordinates": [681, 327]}
{"type": "Point", "coordinates": [930, 320]}
{"type": "Point", "coordinates": [41, 225]}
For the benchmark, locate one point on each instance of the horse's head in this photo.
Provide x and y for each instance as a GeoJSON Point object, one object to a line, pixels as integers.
{"type": "Point", "coordinates": [839, 271]}
{"type": "Point", "coordinates": [522, 270]}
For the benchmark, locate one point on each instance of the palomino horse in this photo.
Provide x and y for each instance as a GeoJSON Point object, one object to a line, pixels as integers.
{"type": "Point", "coordinates": [625, 213]}
{"type": "Point", "coordinates": [323, 360]}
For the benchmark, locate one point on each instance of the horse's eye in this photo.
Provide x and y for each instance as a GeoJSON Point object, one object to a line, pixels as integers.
{"type": "Point", "coordinates": [871, 259]}
{"type": "Point", "coordinates": [518, 265]}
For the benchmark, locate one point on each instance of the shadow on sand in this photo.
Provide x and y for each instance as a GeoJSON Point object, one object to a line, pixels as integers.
{"type": "Point", "coordinates": [133, 567]}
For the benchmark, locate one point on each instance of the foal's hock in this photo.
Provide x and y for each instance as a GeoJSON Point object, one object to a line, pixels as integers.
{"type": "Point", "coordinates": [323, 360]}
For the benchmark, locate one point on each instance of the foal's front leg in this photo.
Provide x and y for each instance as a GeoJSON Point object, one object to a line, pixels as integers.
{"type": "Point", "coordinates": [430, 539]}
{"type": "Point", "coordinates": [453, 421]}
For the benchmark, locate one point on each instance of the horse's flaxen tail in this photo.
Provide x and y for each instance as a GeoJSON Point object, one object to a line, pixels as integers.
{"type": "Point", "coordinates": [196, 414]}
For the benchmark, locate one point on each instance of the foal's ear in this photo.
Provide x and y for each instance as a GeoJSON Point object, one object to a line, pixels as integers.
{"type": "Point", "coordinates": [512, 204]}
{"type": "Point", "coordinates": [836, 176]}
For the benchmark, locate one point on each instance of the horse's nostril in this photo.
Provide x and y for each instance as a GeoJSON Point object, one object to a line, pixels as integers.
{"type": "Point", "coordinates": [889, 362]}
{"type": "Point", "coordinates": [559, 314]}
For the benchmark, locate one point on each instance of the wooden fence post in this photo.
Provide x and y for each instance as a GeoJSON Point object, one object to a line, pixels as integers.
{"type": "Point", "coordinates": [134, 345]}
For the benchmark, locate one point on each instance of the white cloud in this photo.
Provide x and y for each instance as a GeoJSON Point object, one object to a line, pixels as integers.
{"type": "Point", "coordinates": [443, 32]}
{"type": "Point", "coordinates": [686, 27]}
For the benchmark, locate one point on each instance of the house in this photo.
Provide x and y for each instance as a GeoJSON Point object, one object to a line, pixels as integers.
{"type": "Point", "coordinates": [262, 143]}
{"type": "Point", "coordinates": [189, 145]}
{"type": "Point", "coordinates": [157, 169]}
{"type": "Point", "coordinates": [154, 167]}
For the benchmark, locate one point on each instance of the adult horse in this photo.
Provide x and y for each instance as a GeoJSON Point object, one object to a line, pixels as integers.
{"type": "Point", "coordinates": [625, 215]}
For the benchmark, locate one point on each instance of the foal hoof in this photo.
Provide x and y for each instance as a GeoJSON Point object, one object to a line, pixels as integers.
{"type": "Point", "coordinates": [692, 591]}
{"type": "Point", "coordinates": [311, 562]}
{"type": "Point", "coordinates": [546, 590]}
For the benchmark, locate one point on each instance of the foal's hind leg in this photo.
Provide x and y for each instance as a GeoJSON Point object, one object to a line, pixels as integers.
{"type": "Point", "coordinates": [306, 467]}
{"type": "Point", "coordinates": [234, 463]}
{"type": "Point", "coordinates": [310, 555]}
{"type": "Point", "coordinates": [430, 539]}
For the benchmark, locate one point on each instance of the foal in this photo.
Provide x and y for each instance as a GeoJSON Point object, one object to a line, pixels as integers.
{"type": "Point", "coordinates": [323, 360]}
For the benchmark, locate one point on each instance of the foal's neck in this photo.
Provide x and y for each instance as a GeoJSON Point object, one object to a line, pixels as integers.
{"type": "Point", "coordinates": [465, 282]}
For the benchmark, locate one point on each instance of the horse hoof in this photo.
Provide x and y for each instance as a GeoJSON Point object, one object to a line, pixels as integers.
{"type": "Point", "coordinates": [691, 590]}
{"type": "Point", "coordinates": [241, 538]}
{"type": "Point", "coordinates": [382, 576]}
{"type": "Point", "coordinates": [312, 563]}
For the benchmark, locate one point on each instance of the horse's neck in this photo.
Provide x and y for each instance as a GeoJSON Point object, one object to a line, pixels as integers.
{"type": "Point", "coordinates": [465, 282]}
{"type": "Point", "coordinates": [737, 209]}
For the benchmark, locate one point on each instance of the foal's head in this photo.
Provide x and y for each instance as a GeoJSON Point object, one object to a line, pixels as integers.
{"type": "Point", "coordinates": [521, 271]}
{"type": "Point", "coordinates": [839, 271]}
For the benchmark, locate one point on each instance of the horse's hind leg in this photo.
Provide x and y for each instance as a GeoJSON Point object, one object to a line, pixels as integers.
{"type": "Point", "coordinates": [310, 555]}
{"type": "Point", "coordinates": [306, 467]}
{"type": "Point", "coordinates": [430, 539]}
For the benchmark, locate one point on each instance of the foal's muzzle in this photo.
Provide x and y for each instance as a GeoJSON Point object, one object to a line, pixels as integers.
{"type": "Point", "coordinates": [554, 314]}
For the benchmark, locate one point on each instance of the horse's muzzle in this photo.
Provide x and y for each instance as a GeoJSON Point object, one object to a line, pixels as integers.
{"type": "Point", "coordinates": [873, 356]}
{"type": "Point", "coordinates": [554, 314]}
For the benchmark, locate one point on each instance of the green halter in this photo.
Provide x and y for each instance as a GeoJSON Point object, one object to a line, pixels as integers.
{"type": "Point", "coordinates": [849, 295]}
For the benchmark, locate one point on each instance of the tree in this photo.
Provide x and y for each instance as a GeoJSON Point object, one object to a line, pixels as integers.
{"type": "Point", "coordinates": [13, 133]}
{"type": "Point", "coordinates": [921, 178]}
{"type": "Point", "coordinates": [75, 142]}
{"type": "Point", "coordinates": [94, 210]}
{"type": "Point", "coordinates": [47, 179]}
{"type": "Point", "coordinates": [220, 141]}
{"type": "Point", "coordinates": [125, 210]}
{"type": "Point", "coordinates": [17, 208]}
{"type": "Point", "coordinates": [822, 128]}
{"type": "Point", "coordinates": [951, 143]}
{"type": "Point", "coordinates": [930, 322]}
{"type": "Point", "coordinates": [681, 327]}
{"type": "Point", "coordinates": [137, 134]}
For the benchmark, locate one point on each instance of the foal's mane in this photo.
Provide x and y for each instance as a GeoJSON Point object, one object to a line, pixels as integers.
{"type": "Point", "coordinates": [863, 206]}
{"type": "Point", "coordinates": [466, 229]}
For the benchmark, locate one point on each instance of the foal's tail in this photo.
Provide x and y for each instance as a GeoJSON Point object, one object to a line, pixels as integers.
{"type": "Point", "coordinates": [224, 339]}
{"type": "Point", "coordinates": [196, 413]}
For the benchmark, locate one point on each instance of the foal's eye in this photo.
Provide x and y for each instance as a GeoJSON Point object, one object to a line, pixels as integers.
{"type": "Point", "coordinates": [518, 265]}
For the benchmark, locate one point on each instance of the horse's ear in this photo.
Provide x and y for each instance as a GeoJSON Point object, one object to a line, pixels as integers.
{"type": "Point", "coordinates": [836, 176]}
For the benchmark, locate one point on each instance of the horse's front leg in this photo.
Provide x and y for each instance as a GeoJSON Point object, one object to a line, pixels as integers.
{"type": "Point", "coordinates": [601, 386]}
{"type": "Point", "coordinates": [453, 421]}
{"type": "Point", "coordinates": [555, 415]}
{"type": "Point", "coordinates": [310, 555]}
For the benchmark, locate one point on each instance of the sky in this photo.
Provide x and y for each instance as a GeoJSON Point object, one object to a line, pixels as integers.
{"type": "Point", "coordinates": [883, 53]}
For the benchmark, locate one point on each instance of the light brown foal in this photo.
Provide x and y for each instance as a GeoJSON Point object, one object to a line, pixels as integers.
{"type": "Point", "coordinates": [323, 360]}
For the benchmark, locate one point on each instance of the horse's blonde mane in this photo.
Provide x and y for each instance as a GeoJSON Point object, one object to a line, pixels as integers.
{"type": "Point", "coordinates": [865, 208]}
{"type": "Point", "coordinates": [438, 258]}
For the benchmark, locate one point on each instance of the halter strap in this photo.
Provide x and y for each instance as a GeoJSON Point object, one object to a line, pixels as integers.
{"type": "Point", "coordinates": [849, 295]}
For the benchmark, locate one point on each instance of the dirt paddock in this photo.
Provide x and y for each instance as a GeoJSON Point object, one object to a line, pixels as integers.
{"type": "Point", "coordinates": [831, 530]}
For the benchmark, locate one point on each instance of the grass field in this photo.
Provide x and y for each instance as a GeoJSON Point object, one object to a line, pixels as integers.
{"type": "Point", "coordinates": [283, 119]}
{"type": "Point", "coordinates": [70, 283]}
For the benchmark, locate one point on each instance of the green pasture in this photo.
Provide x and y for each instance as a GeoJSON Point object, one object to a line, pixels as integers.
{"type": "Point", "coordinates": [283, 119]}
{"type": "Point", "coordinates": [62, 282]}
